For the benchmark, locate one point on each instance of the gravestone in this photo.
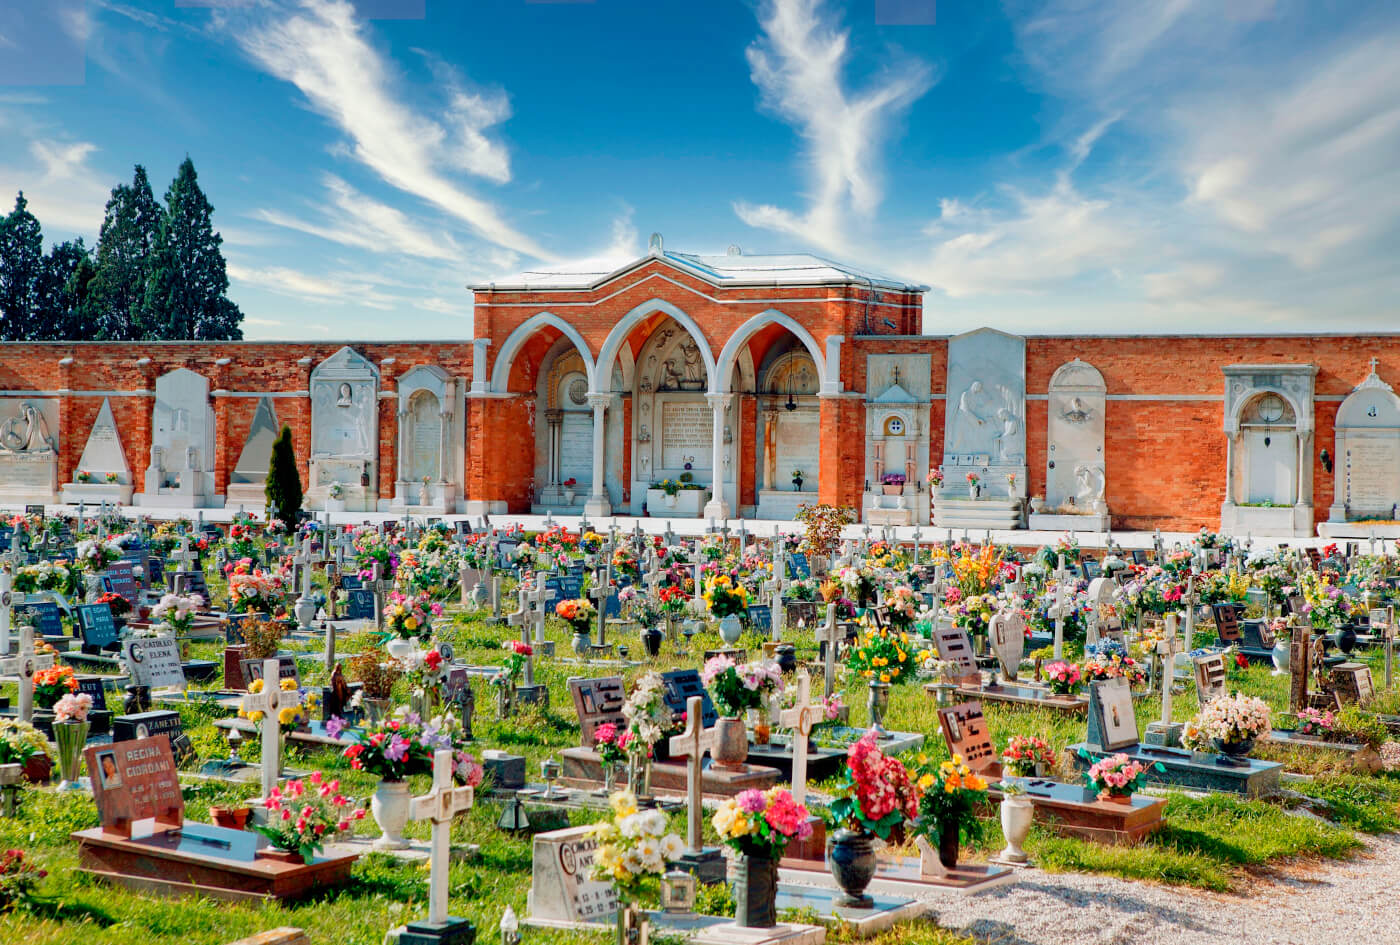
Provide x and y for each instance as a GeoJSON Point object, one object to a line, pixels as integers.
{"type": "Point", "coordinates": [761, 618]}
{"type": "Point", "coordinates": [985, 414]}
{"type": "Point", "coordinates": [345, 430]}
{"type": "Point", "coordinates": [597, 701]}
{"type": "Point", "coordinates": [1007, 634]}
{"type": "Point", "coordinates": [136, 780]}
{"type": "Point", "coordinates": [45, 616]}
{"type": "Point", "coordinates": [98, 629]}
{"type": "Point", "coordinates": [99, 718]}
{"type": "Point", "coordinates": [798, 567]}
{"type": "Point", "coordinates": [120, 579]}
{"type": "Point", "coordinates": [1352, 684]}
{"type": "Point", "coordinates": [181, 467]}
{"type": "Point", "coordinates": [28, 450]}
{"type": "Point", "coordinates": [1227, 622]}
{"type": "Point", "coordinates": [154, 662]}
{"type": "Point", "coordinates": [955, 646]}
{"type": "Point", "coordinates": [1112, 719]}
{"type": "Point", "coordinates": [286, 668]}
{"type": "Point", "coordinates": [102, 456]}
{"type": "Point", "coordinates": [965, 731]}
{"type": "Point", "coordinates": [1074, 458]}
{"type": "Point", "coordinates": [678, 686]}
{"type": "Point", "coordinates": [186, 583]}
{"type": "Point", "coordinates": [1367, 466]}
{"type": "Point", "coordinates": [360, 605]}
{"type": "Point", "coordinates": [152, 725]}
{"type": "Point", "coordinates": [562, 891]}
{"type": "Point", "coordinates": [247, 483]}
{"type": "Point", "coordinates": [1210, 677]}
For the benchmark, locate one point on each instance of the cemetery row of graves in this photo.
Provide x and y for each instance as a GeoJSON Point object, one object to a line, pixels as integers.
{"type": "Point", "coordinates": [445, 732]}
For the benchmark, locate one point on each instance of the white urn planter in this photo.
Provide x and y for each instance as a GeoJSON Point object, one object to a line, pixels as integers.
{"type": "Point", "coordinates": [400, 648]}
{"type": "Point", "coordinates": [687, 503]}
{"type": "Point", "coordinates": [389, 805]}
{"type": "Point", "coordinates": [1017, 812]}
{"type": "Point", "coordinates": [730, 629]}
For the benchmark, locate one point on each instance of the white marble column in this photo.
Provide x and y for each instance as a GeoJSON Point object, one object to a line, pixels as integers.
{"type": "Point", "coordinates": [400, 472]}
{"type": "Point", "coordinates": [717, 508]}
{"type": "Point", "coordinates": [554, 419]}
{"type": "Point", "coordinates": [598, 504]}
{"type": "Point", "coordinates": [448, 403]}
{"type": "Point", "coordinates": [1229, 469]}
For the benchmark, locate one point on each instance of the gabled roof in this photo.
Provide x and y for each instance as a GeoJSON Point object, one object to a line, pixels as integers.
{"type": "Point", "coordinates": [896, 394]}
{"type": "Point", "coordinates": [731, 269]}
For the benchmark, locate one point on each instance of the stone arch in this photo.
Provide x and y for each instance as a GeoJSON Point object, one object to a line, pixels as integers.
{"type": "Point", "coordinates": [720, 377]}
{"type": "Point", "coordinates": [505, 358]}
{"type": "Point", "coordinates": [613, 345]}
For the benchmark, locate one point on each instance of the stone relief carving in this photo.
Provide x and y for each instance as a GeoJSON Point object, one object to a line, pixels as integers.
{"type": "Point", "coordinates": [1091, 479]}
{"type": "Point", "coordinates": [27, 432]}
{"type": "Point", "coordinates": [1077, 411]}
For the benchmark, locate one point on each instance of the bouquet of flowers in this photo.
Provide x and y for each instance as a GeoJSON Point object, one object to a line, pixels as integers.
{"type": "Point", "coordinates": [516, 655]}
{"type": "Point", "coordinates": [1325, 604]}
{"type": "Point", "coordinates": [901, 608]}
{"type": "Point", "coordinates": [18, 878]}
{"type": "Point", "coordinates": [253, 590]}
{"type": "Point", "coordinates": [947, 797]}
{"type": "Point", "coordinates": [424, 672]}
{"type": "Point", "coordinates": [289, 715]}
{"type": "Point", "coordinates": [95, 555]}
{"type": "Point", "coordinates": [177, 611]}
{"type": "Point", "coordinates": [240, 542]}
{"type": "Point", "coordinates": [302, 813]}
{"type": "Point", "coordinates": [1117, 775]}
{"type": "Point", "coordinates": [859, 583]}
{"type": "Point", "coordinates": [407, 616]}
{"type": "Point", "coordinates": [20, 741]}
{"type": "Point", "coordinates": [761, 823]}
{"type": "Point", "coordinates": [876, 794]}
{"type": "Point", "coordinates": [1023, 753]}
{"type": "Point", "coordinates": [46, 576]}
{"type": "Point", "coordinates": [578, 613]}
{"type": "Point", "coordinates": [673, 601]}
{"type": "Point", "coordinates": [72, 708]}
{"type": "Point", "coordinates": [612, 743]}
{"type": "Point", "coordinates": [725, 597]}
{"type": "Point", "coordinates": [1316, 723]}
{"type": "Point", "coordinates": [117, 604]}
{"type": "Point", "coordinates": [1063, 678]}
{"type": "Point", "coordinates": [1234, 720]}
{"type": "Point", "coordinates": [397, 747]}
{"type": "Point", "coordinates": [372, 548]}
{"type": "Point", "coordinates": [633, 845]}
{"type": "Point", "coordinates": [883, 655]}
{"type": "Point", "coordinates": [52, 684]}
{"type": "Point", "coordinates": [736, 688]}
{"type": "Point", "coordinates": [648, 717]}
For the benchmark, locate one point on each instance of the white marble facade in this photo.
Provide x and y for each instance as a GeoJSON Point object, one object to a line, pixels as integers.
{"type": "Point", "coordinates": [180, 471]}
{"type": "Point", "coordinates": [1268, 449]}
{"type": "Point", "coordinates": [787, 440]}
{"type": "Point", "coordinates": [898, 398]}
{"type": "Point", "coordinates": [985, 414]}
{"type": "Point", "coordinates": [431, 408]}
{"type": "Point", "coordinates": [1367, 453]}
{"type": "Point", "coordinates": [345, 431]}
{"type": "Point", "coordinates": [1076, 472]}
{"type": "Point", "coordinates": [29, 449]}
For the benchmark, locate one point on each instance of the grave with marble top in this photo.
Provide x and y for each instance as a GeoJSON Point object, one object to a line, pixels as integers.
{"type": "Point", "coordinates": [135, 782]}
{"type": "Point", "coordinates": [1112, 729]}
{"type": "Point", "coordinates": [1246, 636]}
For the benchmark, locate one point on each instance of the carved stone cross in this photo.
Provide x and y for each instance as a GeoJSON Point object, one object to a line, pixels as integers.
{"type": "Point", "coordinates": [440, 805]}
{"type": "Point", "coordinates": [269, 702]}
{"type": "Point", "coordinates": [693, 743]}
{"type": "Point", "coordinates": [801, 718]}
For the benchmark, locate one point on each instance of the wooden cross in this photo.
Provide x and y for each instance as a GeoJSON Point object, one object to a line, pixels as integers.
{"type": "Point", "coordinates": [693, 743]}
{"type": "Point", "coordinates": [801, 718]}
{"type": "Point", "coordinates": [440, 805]}
{"type": "Point", "coordinates": [24, 664]}
{"type": "Point", "coordinates": [268, 702]}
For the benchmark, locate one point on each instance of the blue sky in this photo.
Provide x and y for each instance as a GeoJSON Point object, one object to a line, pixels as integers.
{"type": "Point", "coordinates": [1044, 165]}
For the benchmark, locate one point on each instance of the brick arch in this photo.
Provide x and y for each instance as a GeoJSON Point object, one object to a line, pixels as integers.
{"type": "Point", "coordinates": [719, 379]}
{"type": "Point", "coordinates": [612, 346]}
{"type": "Point", "coordinates": [500, 371]}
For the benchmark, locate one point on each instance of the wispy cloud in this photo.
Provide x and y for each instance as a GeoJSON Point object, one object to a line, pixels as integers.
{"type": "Point", "coordinates": [799, 65]}
{"type": "Point", "coordinates": [64, 191]}
{"type": "Point", "coordinates": [323, 50]}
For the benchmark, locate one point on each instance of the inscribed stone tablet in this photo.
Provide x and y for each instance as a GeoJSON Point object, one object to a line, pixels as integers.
{"type": "Point", "coordinates": [596, 701]}
{"type": "Point", "coordinates": [955, 646]}
{"type": "Point", "coordinates": [96, 625]}
{"type": "Point", "coordinates": [361, 605]}
{"type": "Point", "coordinates": [135, 780]}
{"type": "Point", "coordinates": [154, 662]}
{"type": "Point", "coordinates": [761, 617]}
{"type": "Point", "coordinates": [1116, 719]}
{"type": "Point", "coordinates": [286, 668]}
{"type": "Point", "coordinates": [561, 887]}
{"type": "Point", "coordinates": [677, 687]}
{"type": "Point", "coordinates": [798, 566]}
{"type": "Point", "coordinates": [46, 617]}
{"type": "Point", "coordinates": [151, 725]}
{"type": "Point", "coordinates": [965, 731]}
{"type": "Point", "coordinates": [1210, 677]}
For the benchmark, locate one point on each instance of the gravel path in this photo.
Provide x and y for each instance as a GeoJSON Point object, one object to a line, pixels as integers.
{"type": "Point", "coordinates": [1337, 901]}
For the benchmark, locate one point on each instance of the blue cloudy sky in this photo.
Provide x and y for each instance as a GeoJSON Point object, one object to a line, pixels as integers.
{"type": "Point", "coordinates": [1044, 165]}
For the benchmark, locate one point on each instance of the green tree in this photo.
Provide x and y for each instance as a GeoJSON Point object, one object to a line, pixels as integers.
{"type": "Point", "coordinates": [283, 488]}
{"type": "Point", "coordinates": [125, 246]}
{"type": "Point", "coordinates": [187, 293]}
{"type": "Point", "coordinates": [63, 292]}
{"type": "Point", "coordinates": [21, 272]}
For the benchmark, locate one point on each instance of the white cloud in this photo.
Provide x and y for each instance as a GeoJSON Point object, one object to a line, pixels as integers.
{"type": "Point", "coordinates": [323, 51]}
{"type": "Point", "coordinates": [799, 66]}
{"type": "Point", "coordinates": [63, 190]}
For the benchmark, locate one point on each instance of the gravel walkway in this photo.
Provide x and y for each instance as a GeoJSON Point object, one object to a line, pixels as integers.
{"type": "Point", "coordinates": [1337, 901]}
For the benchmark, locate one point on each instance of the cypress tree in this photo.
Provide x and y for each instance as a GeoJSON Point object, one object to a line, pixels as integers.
{"type": "Point", "coordinates": [125, 246]}
{"type": "Point", "coordinates": [21, 272]}
{"type": "Point", "coordinates": [63, 290]}
{"type": "Point", "coordinates": [187, 294]}
{"type": "Point", "coordinates": [283, 488]}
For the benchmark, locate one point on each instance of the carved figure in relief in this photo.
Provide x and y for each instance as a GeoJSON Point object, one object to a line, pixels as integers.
{"type": "Point", "coordinates": [27, 431]}
{"type": "Point", "coordinates": [694, 370]}
{"type": "Point", "coordinates": [1006, 440]}
{"type": "Point", "coordinates": [1091, 486]}
{"type": "Point", "coordinates": [1077, 412]}
{"type": "Point", "coordinates": [671, 375]}
{"type": "Point", "coordinates": [346, 395]}
{"type": "Point", "coordinates": [971, 425]}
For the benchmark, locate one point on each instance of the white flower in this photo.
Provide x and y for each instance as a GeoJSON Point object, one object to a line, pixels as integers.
{"type": "Point", "coordinates": [671, 846]}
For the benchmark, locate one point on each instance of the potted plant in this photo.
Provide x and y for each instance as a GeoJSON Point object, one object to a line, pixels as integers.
{"type": "Point", "coordinates": [1026, 756]}
{"type": "Point", "coordinates": [1315, 723]}
{"type": "Point", "coordinates": [892, 483]}
{"type": "Point", "coordinates": [569, 485]}
{"type": "Point", "coordinates": [633, 845]}
{"type": "Point", "coordinates": [974, 485]}
{"type": "Point", "coordinates": [50, 685]}
{"type": "Point", "coordinates": [407, 619]}
{"type": "Point", "coordinates": [734, 689]}
{"type": "Point", "coordinates": [70, 731]}
{"type": "Point", "coordinates": [949, 795]}
{"type": "Point", "coordinates": [176, 613]}
{"type": "Point", "coordinates": [578, 613]}
{"type": "Point", "coordinates": [1063, 678]}
{"type": "Point", "coordinates": [393, 749]}
{"type": "Point", "coordinates": [758, 825]}
{"type": "Point", "coordinates": [797, 477]}
{"type": "Point", "coordinates": [727, 599]}
{"type": "Point", "coordinates": [1116, 778]}
{"type": "Point", "coordinates": [301, 816]}
{"type": "Point", "coordinates": [1232, 723]}
{"type": "Point", "coordinates": [874, 799]}
{"type": "Point", "coordinates": [82, 475]}
{"type": "Point", "coordinates": [21, 746]}
{"type": "Point", "coordinates": [517, 655]}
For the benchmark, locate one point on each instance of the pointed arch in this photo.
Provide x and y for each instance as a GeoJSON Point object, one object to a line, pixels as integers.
{"type": "Point", "coordinates": [505, 358]}
{"type": "Point", "coordinates": [719, 379]}
{"type": "Point", "coordinates": [618, 336]}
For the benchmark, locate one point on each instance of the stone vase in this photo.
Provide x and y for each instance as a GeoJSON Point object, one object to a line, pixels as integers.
{"type": "Point", "coordinates": [731, 747]}
{"type": "Point", "coordinates": [651, 641]}
{"type": "Point", "coordinates": [1282, 650]}
{"type": "Point", "coordinates": [730, 629]}
{"type": "Point", "coordinates": [390, 805]}
{"type": "Point", "coordinates": [755, 891]}
{"type": "Point", "coordinates": [851, 858]}
{"type": "Point", "coordinates": [948, 843]}
{"type": "Point", "coordinates": [877, 701]}
{"type": "Point", "coordinates": [71, 738]}
{"type": "Point", "coordinates": [1236, 753]}
{"type": "Point", "coordinates": [1017, 812]}
{"type": "Point", "coordinates": [582, 642]}
{"type": "Point", "coordinates": [399, 647]}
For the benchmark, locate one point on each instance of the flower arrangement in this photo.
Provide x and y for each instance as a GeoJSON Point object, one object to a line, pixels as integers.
{"type": "Point", "coordinates": [859, 583]}
{"type": "Point", "coordinates": [882, 654]}
{"type": "Point", "coordinates": [177, 612]}
{"type": "Point", "coordinates": [46, 576]}
{"type": "Point", "coordinates": [407, 616]}
{"type": "Point", "coordinates": [1117, 776]}
{"type": "Point", "coordinates": [1023, 753]}
{"type": "Point", "coordinates": [95, 555]}
{"type": "Point", "coordinates": [578, 613]}
{"type": "Point", "coordinates": [876, 794]}
{"type": "Point", "coordinates": [20, 741]}
{"type": "Point", "coordinates": [1315, 722]}
{"type": "Point", "coordinates": [398, 747]}
{"type": "Point", "coordinates": [517, 653]}
{"type": "Point", "coordinates": [901, 608]}
{"type": "Point", "coordinates": [935, 477]}
{"type": "Point", "coordinates": [761, 823]}
{"type": "Point", "coordinates": [376, 679]}
{"type": "Point", "coordinates": [253, 590]}
{"type": "Point", "coordinates": [648, 717]}
{"type": "Point", "coordinates": [1063, 678]}
{"type": "Point", "coordinates": [302, 813]}
{"type": "Point", "coordinates": [735, 688]}
{"type": "Point", "coordinates": [72, 708]}
{"type": "Point", "coordinates": [52, 684]}
{"type": "Point", "coordinates": [973, 479]}
{"type": "Point", "coordinates": [611, 741]}
{"type": "Point", "coordinates": [633, 845]}
{"type": "Point", "coordinates": [289, 715]}
{"type": "Point", "coordinates": [1229, 721]}
{"type": "Point", "coordinates": [335, 491]}
{"type": "Point", "coordinates": [82, 475]}
{"type": "Point", "coordinates": [947, 797]}
{"type": "Point", "coordinates": [18, 879]}
{"type": "Point", "coordinates": [262, 636]}
{"type": "Point", "coordinates": [112, 477]}
{"type": "Point", "coordinates": [892, 479]}
{"type": "Point", "coordinates": [725, 596]}
{"type": "Point", "coordinates": [673, 601]}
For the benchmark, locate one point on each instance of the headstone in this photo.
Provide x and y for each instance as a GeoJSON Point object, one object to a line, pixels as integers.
{"type": "Point", "coordinates": [182, 440]}
{"type": "Point", "coordinates": [1367, 466]}
{"type": "Point", "coordinates": [45, 616]}
{"type": "Point", "coordinates": [103, 453]}
{"type": "Point", "coordinates": [1299, 662]}
{"type": "Point", "coordinates": [955, 646]}
{"type": "Point", "coordinates": [562, 889]}
{"type": "Point", "coordinates": [151, 725]}
{"type": "Point", "coordinates": [361, 605]}
{"type": "Point", "coordinates": [1112, 720]}
{"type": "Point", "coordinates": [286, 668]}
{"type": "Point", "coordinates": [440, 805]}
{"type": "Point", "coordinates": [344, 429]}
{"type": "Point", "coordinates": [269, 701]}
{"type": "Point", "coordinates": [1352, 684]}
{"type": "Point", "coordinates": [28, 449]}
{"type": "Point", "coordinates": [136, 780]}
{"type": "Point", "coordinates": [985, 413]}
{"type": "Point", "coordinates": [154, 662]}
{"type": "Point", "coordinates": [98, 629]}
{"type": "Point", "coordinates": [1007, 633]}
{"type": "Point", "coordinates": [1210, 677]}
{"type": "Point", "coordinates": [801, 718]}
{"type": "Point", "coordinates": [679, 686]}
{"type": "Point", "coordinates": [597, 701]}
{"type": "Point", "coordinates": [965, 730]}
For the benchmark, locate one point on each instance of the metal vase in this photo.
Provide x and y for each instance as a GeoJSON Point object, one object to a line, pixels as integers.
{"type": "Point", "coordinates": [71, 738]}
{"type": "Point", "coordinates": [851, 858]}
{"type": "Point", "coordinates": [878, 702]}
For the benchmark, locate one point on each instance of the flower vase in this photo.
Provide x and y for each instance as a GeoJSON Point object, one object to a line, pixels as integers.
{"type": "Point", "coordinates": [758, 723]}
{"type": "Point", "coordinates": [755, 891]}
{"type": "Point", "coordinates": [1017, 812]}
{"type": "Point", "coordinates": [375, 709]}
{"type": "Point", "coordinates": [651, 641]}
{"type": "Point", "coordinates": [851, 858]}
{"type": "Point", "coordinates": [582, 642]}
{"type": "Point", "coordinates": [609, 778]}
{"type": "Point", "coordinates": [639, 775]}
{"type": "Point", "coordinates": [505, 699]}
{"type": "Point", "coordinates": [390, 805]}
{"type": "Point", "coordinates": [730, 629]}
{"type": "Point", "coordinates": [632, 924]}
{"type": "Point", "coordinates": [399, 647]}
{"type": "Point", "coordinates": [1234, 752]}
{"type": "Point", "coordinates": [948, 845]}
{"type": "Point", "coordinates": [878, 702]}
{"type": "Point", "coordinates": [1283, 649]}
{"type": "Point", "coordinates": [975, 492]}
{"type": "Point", "coordinates": [1124, 799]}
{"type": "Point", "coordinates": [71, 738]}
{"type": "Point", "coordinates": [731, 745]}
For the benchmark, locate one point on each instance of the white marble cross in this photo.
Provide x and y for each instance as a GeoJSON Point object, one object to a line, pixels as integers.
{"type": "Point", "coordinates": [184, 557]}
{"type": "Point", "coordinates": [15, 557]}
{"type": "Point", "coordinates": [774, 588]}
{"type": "Point", "coordinates": [693, 743]}
{"type": "Point", "coordinates": [24, 664]}
{"type": "Point", "coordinates": [9, 598]}
{"type": "Point", "coordinates": [1060, 575]}
{"type": "Point", "coordinates": [269, 702]}
{"type": "Point", "coordinates": [600, 592]}
{"type": "Point", "coordinates": [1166, 649]}
{"type": "Point", "coordinates": [918, 533]}
{"type": "Point", "coordinates": [440, 805]}
{"type": "Point", "coordinates": [827, 633]}
{"type": "Point", "coordinates": [534, 603]}
{"type": "Point", "coordinates": [801, 718]}
{"type": "Point", "coordinates": [521, 618]}
{"type": "Point", "coordinates": [1189, 600]}
{"type": "Point", "coordinates": [303, 562]}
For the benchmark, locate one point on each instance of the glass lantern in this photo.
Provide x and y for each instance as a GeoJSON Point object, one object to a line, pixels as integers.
{"type": "Point", "coordinates": [678, 892]}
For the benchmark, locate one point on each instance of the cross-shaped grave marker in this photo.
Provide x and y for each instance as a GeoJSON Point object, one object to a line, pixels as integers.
{"type": "Point", "coordinates": [1061, 573]}
{"type": "Point", "coordinates": [305, 602]}
{"type": "Point", "coordinates": [601, 591]}
{"type": "Point", "coordinates": [24, 664]}
{"type": "Point", "coordinates": [8, 599]}
{"type": "Point", "coordinates": [269, 702]}
{"type": "Point", "coordinates": [1165, 732]}
{"type": "Point", "coordinates": [184, 556]}
{"type": "Point", "coordinates": [801, 718]}
{"type": "Point", "coordinates": [440, 805]}
{"type": "Point", "coordinates": [693, 743]}
{"type": "Point", "coordinates": [828, 634]}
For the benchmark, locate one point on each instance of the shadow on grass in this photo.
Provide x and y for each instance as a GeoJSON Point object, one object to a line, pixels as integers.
{"type": "Point", "coordinates": [57, 911]}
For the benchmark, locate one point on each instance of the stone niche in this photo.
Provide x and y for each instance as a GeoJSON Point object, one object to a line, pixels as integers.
{"type": "Point", "coordinates": [103, 463]}
{"type": "Point", "coordinates": [1367, 459]}
{"type": "Point", "coordinates": [28, 450]}
{"type": "Point", "coordinates": [345, 433]}
{"type": "Point", "coordinates": [430, 435]}
{"type": "Point", "coordinates": [788, 434]}
{"type": "Point", "coordinates": [180, 472]}
{"type": "Point", "coordinates": [984, 432]}
{"type": "Point", "coordinates": [247, 484]}
{"type": "Point", "coordinates": [1268, 450]}
{"type": "Point", "coordinates": [1075, 472]}
{"type": "Point", "coordinates": [564, 440]}
{"type": "Point", "coordinates": [898, 397]}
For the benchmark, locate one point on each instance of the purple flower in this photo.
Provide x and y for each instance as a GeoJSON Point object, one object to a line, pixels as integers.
{"type": "Point", "coordinates": [334, 726]}
{"type": "Point", "coordinates": [397, 749]}
{"type": "Point", "coordinates": [751, 801]}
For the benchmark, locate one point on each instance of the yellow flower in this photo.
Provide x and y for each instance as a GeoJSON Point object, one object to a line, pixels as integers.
{"type": "Point", "coordinates": [925, 782]}
{"type": "Point", "coordinates": [884, 677]}
{"type": "Point", "coordinates": [288, 685]}
{"type": "Point", "coordinates": [411, 623]}
{"type": "Point", "coordinates": [287, 716]}
{"type": "Point", "coordinates": [255, 686]}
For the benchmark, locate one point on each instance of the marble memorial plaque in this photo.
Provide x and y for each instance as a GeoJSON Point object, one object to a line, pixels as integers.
{"type": "Point", "coordinates": [154, 662]}
{"type": "Point", "coordinates": [1116, 719]}
{"type": "Point", "coordinates": [687, 434]}
{"type": "Point", "coordinates": [955, 646]}
{"type": "Point", "coordinates": [1007, 633]}
{"type": "Point", "coordinates": [597, 701]}
{"type": "Point", "coordinates": [561, 887]}
{"type": "Point", "coordinates": [1210, 677]}
{"type": "Point", "coordinates": [135, 780]}
{"type": "Point", "coordinates": [1074, 452]}
{"type": "Point", "coordinates": [345, 408]}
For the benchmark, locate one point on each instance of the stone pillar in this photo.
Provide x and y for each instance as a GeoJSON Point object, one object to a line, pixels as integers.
{"type": "Point", "coordinates": [1229, 469]}
{"type": "Point", "coordinates": [718, 507]}
{"type": "Point", "coordinates": [554, 417]}
{"type": "Point", "coordinates": [481, 380]}
{"type": "Point", "coordinates": [598, 503]}
{"type": "Point", "coordinates": [770, 449]}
